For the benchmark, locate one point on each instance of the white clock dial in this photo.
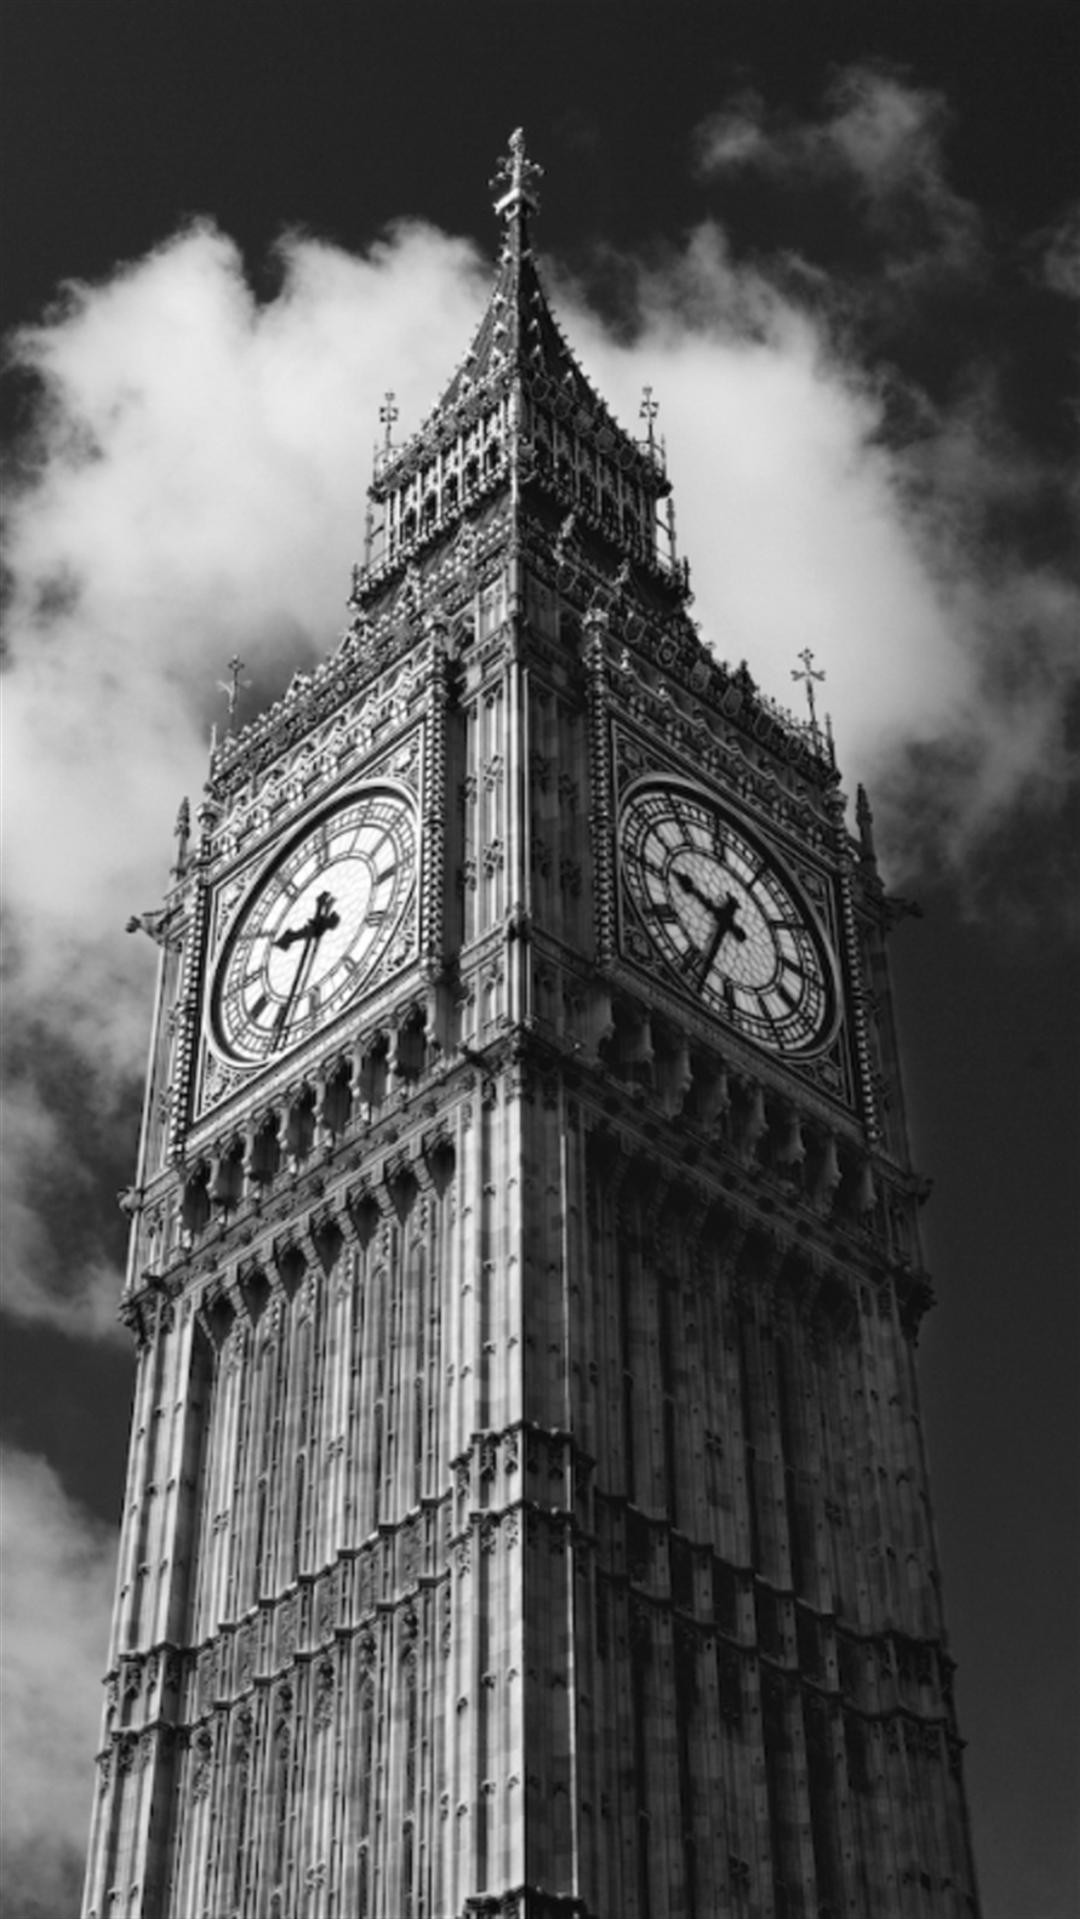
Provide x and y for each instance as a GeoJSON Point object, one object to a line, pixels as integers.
{"type": "Point", "coordinates": [314, 929]}
{"type": "Point", "coordinates": [731, 926]}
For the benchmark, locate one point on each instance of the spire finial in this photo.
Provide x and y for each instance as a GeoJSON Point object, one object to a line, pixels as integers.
{"type": "Point", "coordinates": [231, 688]}
{"type": "Point", "coordinates": [516, 179]}
{"type": "Point", "coordinates": [648, 411]}
{"type": "Point", "coordinates": [388, 413]}
{"type": "Point", "coordinates": [809, 674]}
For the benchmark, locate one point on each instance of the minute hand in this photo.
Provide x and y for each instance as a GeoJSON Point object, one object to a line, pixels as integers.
{"type": "Point", "coordinates": [321, 921]}
{"type": "Point", "coordinates": [725, 924]}
{"type": "Point", "coordinates": [299, 980]}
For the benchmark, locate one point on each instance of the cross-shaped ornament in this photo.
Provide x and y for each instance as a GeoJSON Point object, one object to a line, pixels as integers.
{"type": "Point", "coordinates": [388, 413]}
{"type": "Point", "coordinates": [231, 687]}
{"type": "Point", "coordinates": [648, 411]}
{"type": "Point", "coordinates": [808, 675]}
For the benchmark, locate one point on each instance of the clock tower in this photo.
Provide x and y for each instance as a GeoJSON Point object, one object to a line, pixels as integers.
{"type": "Point", "coordinates": [527, 1510]}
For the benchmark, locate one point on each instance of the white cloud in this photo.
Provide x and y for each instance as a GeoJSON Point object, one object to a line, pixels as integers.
{"type": "Point", "coordinates": [197, 489]}
{"type": "Point", "coordinates": [888, 133]}
{"type": "Point", "coordinates": [734, 137]}
{"type": "Point", "coordinates": [57, 1591]}
{"type": "Point", "coordinates": [807, 525]}
{"type": "Point", "coordinates": [879, 139]}
{"type": "Point", "coordinates": [200, 490]}
{"type": "Point", "coordinates": [884, 132]}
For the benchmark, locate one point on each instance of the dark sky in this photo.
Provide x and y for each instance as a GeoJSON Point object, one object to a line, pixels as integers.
{"type": "Point", "coordinates": [121, 122]}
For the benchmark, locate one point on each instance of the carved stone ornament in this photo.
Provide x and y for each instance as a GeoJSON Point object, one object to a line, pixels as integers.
{"type": "Point", "coordinates": [325, 1687]}
{"type": "Point", "coordinates": [202, 1764]}
{"type": "Point", "coordinates": [245, 1656]}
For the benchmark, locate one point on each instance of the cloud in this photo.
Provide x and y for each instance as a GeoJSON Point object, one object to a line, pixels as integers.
{"type": "Point", "coordinates": [945, 605]}
{"type": "Point", "coordinates": [735, 137]}
{"type": "Point", "coordinates": [57, 1592]}
{"type": "Point", "coordinates": [811, 519]}
{"type": "Point", "coordinates": [878, 134]}
{"type": "Point", "coordinates": [193, 487]}
{"type": "Point", "coordinates": [869, 171]}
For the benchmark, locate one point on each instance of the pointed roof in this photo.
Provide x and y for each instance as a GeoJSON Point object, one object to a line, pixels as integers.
{"type": "Point", "coordinates": [519, 341]}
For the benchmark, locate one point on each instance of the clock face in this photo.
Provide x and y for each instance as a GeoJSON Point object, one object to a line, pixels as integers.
{"type": "Point", "coordinates": [316, 926]}
{"type": "Point", "coordinates": [730, 925]}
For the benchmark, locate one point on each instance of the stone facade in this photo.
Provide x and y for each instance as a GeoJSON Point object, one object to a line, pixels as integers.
{"type": "Point", "coordinates": [526, 1509]}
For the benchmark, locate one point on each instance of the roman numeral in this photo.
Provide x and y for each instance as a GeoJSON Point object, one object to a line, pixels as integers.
{"type": "Point", "coordinates": [642, 860]}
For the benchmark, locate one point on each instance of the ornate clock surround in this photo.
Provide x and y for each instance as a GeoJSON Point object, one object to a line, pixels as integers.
{"type": "Point", "coordinates": [698, 890]}
{"type": "Point", "coordinates": [636, 760]}
{"type": "Point", "coordinates": [318, 926]}
{"type": "Point", "coordinates": [399, 768]}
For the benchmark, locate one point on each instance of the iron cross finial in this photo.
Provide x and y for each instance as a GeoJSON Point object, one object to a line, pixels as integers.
{"type": "Point", "coordinates": [388, 413]}
{"type": "Point", "coordinates": [808, 675]}
{"type": "Point", "coordinates": [516, 178]}
{"type": "Point", "coordinates": [648, 411]}
{"type": "Point", "coordinates": [231, 687]}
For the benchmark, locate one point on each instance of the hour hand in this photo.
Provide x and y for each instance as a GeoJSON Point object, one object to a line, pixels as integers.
{"type": "Point", "coordinates": [690, 887]}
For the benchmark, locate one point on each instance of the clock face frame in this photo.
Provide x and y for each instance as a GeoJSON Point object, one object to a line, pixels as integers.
{"type": "Point", "coordinates": [316, 926]}
{"type": "Point", "coordinates": [732, 927]}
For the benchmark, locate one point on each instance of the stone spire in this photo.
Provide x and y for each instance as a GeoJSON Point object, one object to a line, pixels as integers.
{"type": "Point", "coordinates": [518, 410]}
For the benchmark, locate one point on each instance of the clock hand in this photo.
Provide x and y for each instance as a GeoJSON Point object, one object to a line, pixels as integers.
{"type": "Point", "coordinates": [323, 918]}
{"type": "Point", "coordinates": [303, 967]}
{"type": "Point", "coordinates": [688, 886]}
{"type": "Point", "coordinates": [725, 915]}
{"type": "Point", "coordinates": [725, 924]}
